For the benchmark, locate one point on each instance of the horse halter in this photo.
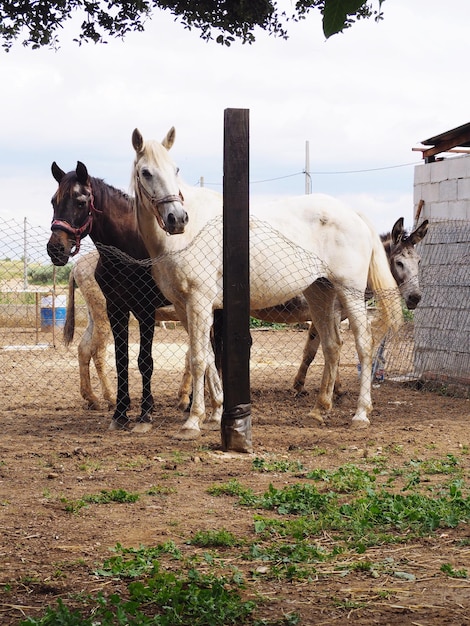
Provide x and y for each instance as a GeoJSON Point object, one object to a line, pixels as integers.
{"type": "Point", "coordinates": [156, 202]}
{"type": "Point", "coordinates": [77, 232]}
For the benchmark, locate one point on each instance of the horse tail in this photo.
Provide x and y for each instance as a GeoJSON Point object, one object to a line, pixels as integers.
{"type": "Point", "coordinates": [69, 326]}
{"type": "Point", "coordinates": [385, 289]}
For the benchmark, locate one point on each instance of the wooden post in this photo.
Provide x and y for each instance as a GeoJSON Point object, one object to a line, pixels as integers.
{"type": "Point", "coordinates": [236, 417]}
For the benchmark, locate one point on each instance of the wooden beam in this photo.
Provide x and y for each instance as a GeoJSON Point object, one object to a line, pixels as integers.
{"type": "Point", "coordinates": [236, 416]}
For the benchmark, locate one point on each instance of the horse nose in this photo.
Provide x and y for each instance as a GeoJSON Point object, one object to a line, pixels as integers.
{"type": "Point", "coordinates": [413, 300]}
{"type": "Point", "coordinates": [57, 254]}
{"type": "Point", "coordinates": [177, 222]}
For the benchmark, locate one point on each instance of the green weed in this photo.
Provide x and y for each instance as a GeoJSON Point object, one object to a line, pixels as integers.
{"type": "Point", "coordinates": [214, 538]}
{"type": "Point", "coordinates": [104, 497]}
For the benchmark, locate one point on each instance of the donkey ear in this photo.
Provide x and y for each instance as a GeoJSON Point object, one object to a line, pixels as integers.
{"type": "Point", "coordinates": [397, 230]}
{"type": "Point", "coordinates": [419, 233]}
{"type": "Point", "coordinates": [169, 140]}
{"type": "Point", "coordinates": [137, 141]}
{"type": "Point", "coordinates": [57, 173]}
{"type": "Point", "coordinates": [82, 173]}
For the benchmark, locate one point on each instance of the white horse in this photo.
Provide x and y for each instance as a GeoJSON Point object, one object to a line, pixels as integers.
{"type": "Point", "coordinates": [404, 263]}
{"type": "Point", "coordinates": [297, 245]}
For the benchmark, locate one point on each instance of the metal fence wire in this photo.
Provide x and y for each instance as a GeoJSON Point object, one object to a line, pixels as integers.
{"type": "Point", "coordinates": [39, 370]}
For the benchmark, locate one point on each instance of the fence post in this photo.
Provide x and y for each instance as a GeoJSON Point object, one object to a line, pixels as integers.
{"type": "Point", "coordinates": [236, 416]}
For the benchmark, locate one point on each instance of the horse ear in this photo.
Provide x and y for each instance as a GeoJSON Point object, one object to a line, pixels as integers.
{"type": "Point", "coordinates": [57, 173]}
{"type": "Point", "coordinates": [82, 173]}
{"type": "Point", "coordinates": [419, 233]}
{"type": "Point", "coordinates": [137, 141]}
{"type": "Point", "coordinates": [397, 230]}
{"type": "Point", "coordinates": [169, 140]}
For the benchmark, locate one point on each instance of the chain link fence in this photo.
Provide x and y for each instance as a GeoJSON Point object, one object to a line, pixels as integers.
{"type": "Point", "coordinates": [40, 371]}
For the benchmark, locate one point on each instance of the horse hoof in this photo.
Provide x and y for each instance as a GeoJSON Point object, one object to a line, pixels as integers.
{"type": "Point", "coordinates": [188, 434]}
{"type": "Point", "coordinates": [116, 425]}
{"type": "Point", "coordinates": [318, 417]}
{"type": "Point", "coordinates": [360, 422]}
{"type": "Point", "coordinates": [93, 405]}
{"type": "Point", "coordinates": [142, 427]}
{"type": "Point", "coordinates": [211, 425]}
{"type": "Point", "coordinates": [184, 405]}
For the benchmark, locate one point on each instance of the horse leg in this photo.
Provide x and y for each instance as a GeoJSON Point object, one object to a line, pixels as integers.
{"type": "Point", "coordinates": [357, 313]}
{"type": "Point", "coordinates": [84, 358]}
{"type": "Point", "coordinates": [145, 363]}
{"type": "Point", "coordinates": [119, 320]}
{"type": "Point", "coordinates": [184, 392]}
{"type": "Point", "coordinates": [215, 393]}
{"type": "Point", "coordinates": [99, 341]}
{"type": "Point", "coordinates": [322, 301]}
{"type": "Point", "coordinates": [198, 324]}
{"type": "Point", "coordinates": [310, 350]}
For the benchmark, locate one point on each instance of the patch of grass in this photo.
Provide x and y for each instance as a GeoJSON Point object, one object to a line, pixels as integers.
{"type": "Point", "coordinates": [346, 479]}
{"type": "Point", "coordinates": [256, 323]}
{"type": "Point", "coordinates": [447, 568]}
{"type": "Point", "coordinates": [160, 490]}
{"type": "Point", "coordinates": [231, 488]}
{"type": "Point", "coordinates": [134, 562]}
{"type": "Point", "coordinates": [276, 465]}
{"type": "Point", "coordinates": [156, 596]}
{"type": "Point", "coordinates": [90, 466]}
{"type": "Point", "coordinates": [214, 538]}
{"type": "Point", "coordinates": [119, 496]}
{"type": "Point", "coordinates": [293, 499]}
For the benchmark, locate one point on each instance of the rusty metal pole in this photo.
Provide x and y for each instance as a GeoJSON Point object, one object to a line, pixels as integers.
{"type": "Point", "coordinates": [236, 416]}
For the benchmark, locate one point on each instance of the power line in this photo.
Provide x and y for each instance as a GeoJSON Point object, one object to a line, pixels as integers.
{"type": "Point", "coordinates": [312, 173]}
{"type": "Point", "coordinates": [372, 169]}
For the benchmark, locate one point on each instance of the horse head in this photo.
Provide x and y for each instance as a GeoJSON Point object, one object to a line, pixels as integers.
{"type": "Point", "coordinates": [73, 213]}
{"type": "Point", "coordinates": [155, 182]}
{"type": "Point", "coordinates": [404, 261]}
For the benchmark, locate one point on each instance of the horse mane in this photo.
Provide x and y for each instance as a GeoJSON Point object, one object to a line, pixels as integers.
{"type": "Point", "coordinates": [386, 239]}
{"type": "Point", "coordinates": [108, 190]}
{"type": "Point", "coordinates": [120, 227]}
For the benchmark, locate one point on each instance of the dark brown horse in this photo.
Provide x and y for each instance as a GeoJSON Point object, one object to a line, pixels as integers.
{"type": "Point", "coordinates": [88, 206]}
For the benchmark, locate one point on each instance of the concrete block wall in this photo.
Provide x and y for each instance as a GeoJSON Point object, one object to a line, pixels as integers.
{"type": "Point", "coordinates": [445, 188]}
{"type": "Point", "coordinates": [442, 319]}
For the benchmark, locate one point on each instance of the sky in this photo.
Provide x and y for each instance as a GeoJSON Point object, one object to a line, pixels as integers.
{"type": "Point", "coordinates": [362, 100]}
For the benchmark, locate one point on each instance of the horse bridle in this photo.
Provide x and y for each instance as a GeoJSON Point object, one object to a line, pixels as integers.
{"type": "Point", "coordinates": [77, 232]}
{"type": "Point", "coordinates": [156, 202]}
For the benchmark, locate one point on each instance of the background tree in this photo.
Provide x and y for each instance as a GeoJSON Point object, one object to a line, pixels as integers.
{"type": "Point", "coordinates": [36, 23]}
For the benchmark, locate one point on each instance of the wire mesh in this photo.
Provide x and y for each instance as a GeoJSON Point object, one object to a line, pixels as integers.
{"type": "Point", "coordinates": [40, 371]}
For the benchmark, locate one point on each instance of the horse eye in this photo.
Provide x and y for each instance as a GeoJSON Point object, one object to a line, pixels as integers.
{"type": "Point", "coordinates": [146, 173]}
{"type": "Point", "coordinates": [400, 265]}
{"type": "Point", "coordinates": [81, 204]}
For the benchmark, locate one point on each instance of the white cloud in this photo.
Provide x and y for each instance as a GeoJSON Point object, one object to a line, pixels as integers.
{"type": "Point", "coordinates": [362, 99]}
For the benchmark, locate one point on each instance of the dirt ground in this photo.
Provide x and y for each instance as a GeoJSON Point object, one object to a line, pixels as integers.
{"type": "Point", "coordinates": [54, 450]}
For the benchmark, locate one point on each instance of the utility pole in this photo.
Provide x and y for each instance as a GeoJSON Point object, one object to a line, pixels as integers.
{"type": "Point", "coordinates": [308, 179]}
